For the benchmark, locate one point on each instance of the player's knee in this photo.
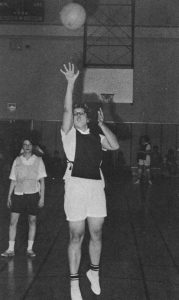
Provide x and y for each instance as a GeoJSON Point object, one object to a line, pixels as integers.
{"type": "Point", "coordinates": [76, 237]}
{"type": "Point", "coordinates": [96, 235]}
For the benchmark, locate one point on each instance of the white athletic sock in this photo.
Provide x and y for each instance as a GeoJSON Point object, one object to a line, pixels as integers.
{"type": "Point", "coordinates": [74, 287]}
{"type": "Point", "coordinates": [30, 245]}
{"type": "Point", "coordinates": [11, 245]}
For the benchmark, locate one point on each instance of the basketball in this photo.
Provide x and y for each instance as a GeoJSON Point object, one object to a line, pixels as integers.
{"type": "Point", "coordinates": [73, 16]}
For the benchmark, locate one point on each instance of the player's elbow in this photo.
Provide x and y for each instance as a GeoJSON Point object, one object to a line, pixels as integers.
{"type": "Point", "coordinates": [115, 146]}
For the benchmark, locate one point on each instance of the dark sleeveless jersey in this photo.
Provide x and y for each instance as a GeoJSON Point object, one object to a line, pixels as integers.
{"type": "Point", "coordinates": [88, 156]}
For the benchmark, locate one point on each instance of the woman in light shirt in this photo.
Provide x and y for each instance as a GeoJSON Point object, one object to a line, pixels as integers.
{"type": "Point", "coordinates": [26, 194]}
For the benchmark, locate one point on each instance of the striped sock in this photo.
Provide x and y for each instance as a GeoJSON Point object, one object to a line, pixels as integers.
{"type": "Point", "coordinates": [94, 267]}
{"type": "Point", "coordinates": [93, 276]}
{"type": "Point", "coordinates": [74, 277]}
{"type": "Point", "coordinates": [75, 289]}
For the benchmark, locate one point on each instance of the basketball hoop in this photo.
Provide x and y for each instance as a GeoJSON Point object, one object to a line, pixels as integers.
{"type": "Point", "coordinates": [106, 98]}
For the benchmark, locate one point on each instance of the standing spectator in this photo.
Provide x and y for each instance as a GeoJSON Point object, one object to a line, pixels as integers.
{"type": "Point", "coordinates": [156, 157]}
{"type": "Point", "coordinates": [171, 162]}
{"type": "Point", "coordinates": [26, 194]}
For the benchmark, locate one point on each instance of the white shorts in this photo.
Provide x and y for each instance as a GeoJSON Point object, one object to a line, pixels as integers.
{"type": "Point", "coordinates": [84, 198]}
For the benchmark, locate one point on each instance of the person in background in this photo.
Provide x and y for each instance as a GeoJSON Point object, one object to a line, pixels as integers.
{"type": "Point", "coordinates": [144, 158]}
{"type": "Point", "coordinates": [171, 161]}
{"type": "Point", "coordinates": [156, 157]}
{"type": "Point", "coordinates": [84, 198]}
{"type": "Point", "coordinates": [26, 194]}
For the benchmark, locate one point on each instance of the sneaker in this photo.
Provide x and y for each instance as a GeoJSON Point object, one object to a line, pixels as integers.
{"type": "Point", "coordinates": [94, 280]}
{"type": "Point", "coordinates": [31, 253]}
{"type": "Point", "coordinates": [8, 253]}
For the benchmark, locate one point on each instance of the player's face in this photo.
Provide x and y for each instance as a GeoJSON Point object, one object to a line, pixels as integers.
{"type": "Point", "coordinates": [80, 118]}
{"type": "Point", "coordinates": [27, 146]}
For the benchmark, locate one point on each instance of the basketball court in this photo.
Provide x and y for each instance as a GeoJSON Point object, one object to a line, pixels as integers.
{"type": "Point", "coordinates": [140, 247]}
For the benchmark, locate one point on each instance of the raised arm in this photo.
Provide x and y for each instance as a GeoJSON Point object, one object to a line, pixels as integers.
{"type": "Point", "coordinates": [71, 76]}
{"type": "Point", "coordinates": [110, 141]}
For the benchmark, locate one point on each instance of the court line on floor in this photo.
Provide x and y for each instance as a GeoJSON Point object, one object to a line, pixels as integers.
{"type": "Point", "coordinates": [146, 291]}
{"type": "Point", "coordinates": [42, 263]}
{"type": "Point", "coordinates": [165, 243]}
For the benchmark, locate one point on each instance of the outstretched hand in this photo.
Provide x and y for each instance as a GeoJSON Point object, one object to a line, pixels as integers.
{"type": "Point", "coordinates": [69, 72]}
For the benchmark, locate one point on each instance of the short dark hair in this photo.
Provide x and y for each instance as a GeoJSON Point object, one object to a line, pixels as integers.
{"type": "Point", "coordinates": [144, 137]}
{"type": "Point", "coordinates": [83, 106]}
{"type": "Point", "coordinates": [27, 138]}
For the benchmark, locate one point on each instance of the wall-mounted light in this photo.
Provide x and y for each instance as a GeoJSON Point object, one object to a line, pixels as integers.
{"type": "Point", "coordinates": [11, 107]}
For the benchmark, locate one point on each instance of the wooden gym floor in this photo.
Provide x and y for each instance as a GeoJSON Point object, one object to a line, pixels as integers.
{"type": "Point", "coordinates": [140, 258]}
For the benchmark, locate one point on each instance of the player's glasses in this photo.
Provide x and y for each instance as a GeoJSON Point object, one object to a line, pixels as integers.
{"type": "Point", "coordinates": [79, 114]}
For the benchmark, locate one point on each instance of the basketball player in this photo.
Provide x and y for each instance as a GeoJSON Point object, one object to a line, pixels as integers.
{"type": "Point", "coordinates": [84, 184]}
{"type": "Point", "coordinates": [144, 158]}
